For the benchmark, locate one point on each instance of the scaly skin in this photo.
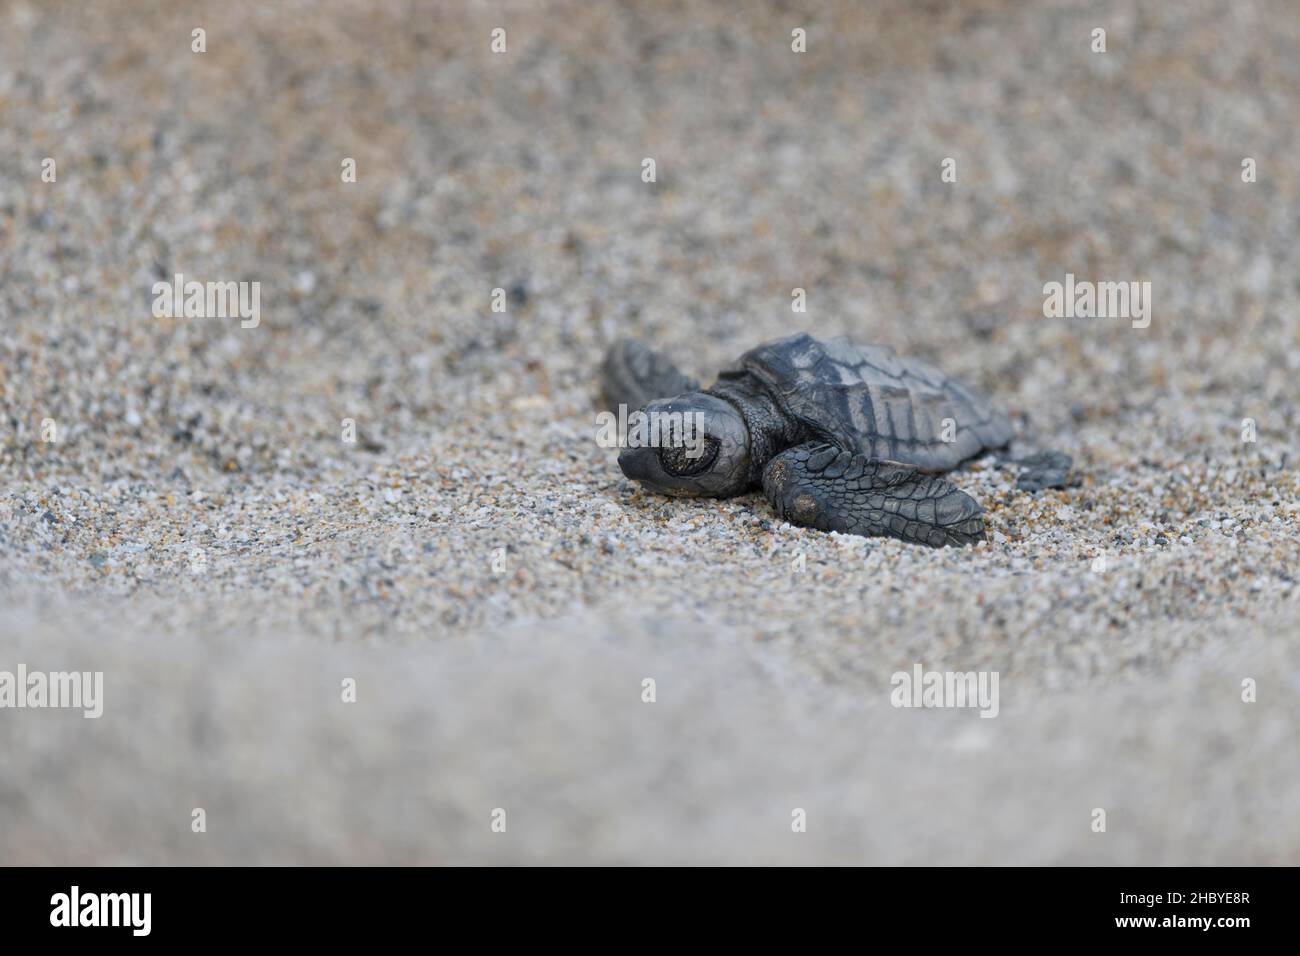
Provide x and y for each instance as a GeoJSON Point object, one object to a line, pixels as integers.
{"type": "Point", "coordinates": [817, 485]}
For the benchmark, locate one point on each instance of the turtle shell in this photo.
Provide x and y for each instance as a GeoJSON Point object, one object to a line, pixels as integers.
{"type": "Point", "coordinates": [866, 398]}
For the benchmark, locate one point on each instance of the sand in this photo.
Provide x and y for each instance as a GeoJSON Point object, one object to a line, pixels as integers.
{"type": "Point", "coordinates": [201, 531]}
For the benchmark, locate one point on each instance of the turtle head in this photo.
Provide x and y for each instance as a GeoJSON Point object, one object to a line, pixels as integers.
{"type": "Point", "coordinates": [691, 445]}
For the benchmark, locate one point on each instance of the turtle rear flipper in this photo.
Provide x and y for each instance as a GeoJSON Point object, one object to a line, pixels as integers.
{"type": "Point", "coordinates": [822, 486]}
{"type": "Point", "coordinates": [633, 375]}
{"type": "Point", "coordinates": [1044, 469]}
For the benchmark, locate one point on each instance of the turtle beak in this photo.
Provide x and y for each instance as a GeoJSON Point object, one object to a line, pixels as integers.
{"type": "Point", "coordinates": [642, 464]}
{"type": "Point", "coordinates": [639, 464]}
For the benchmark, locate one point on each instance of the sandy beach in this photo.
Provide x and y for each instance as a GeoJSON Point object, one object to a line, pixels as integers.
{"type": "Point", "coordinates": [384, 485]}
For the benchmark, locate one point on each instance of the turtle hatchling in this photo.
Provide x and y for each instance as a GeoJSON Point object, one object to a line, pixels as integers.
{"type": "Point", "coordinates": [840, 437]}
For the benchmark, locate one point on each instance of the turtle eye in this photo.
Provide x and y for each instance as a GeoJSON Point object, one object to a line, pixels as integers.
{"type": "Point", "coordinates": [675, 460]}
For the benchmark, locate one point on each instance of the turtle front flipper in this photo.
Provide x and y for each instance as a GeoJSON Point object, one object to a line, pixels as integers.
{"type": "Point", "coordinates": [821, 486]}
{"type": "Point", "coordinates": [633, 375]}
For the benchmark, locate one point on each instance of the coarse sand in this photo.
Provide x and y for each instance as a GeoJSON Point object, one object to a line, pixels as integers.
{"type": "Point", "coordinates": [182, 510]}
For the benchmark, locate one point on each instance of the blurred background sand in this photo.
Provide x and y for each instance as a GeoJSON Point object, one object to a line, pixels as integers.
{"type": "Point", "coordinates": [482, 569]}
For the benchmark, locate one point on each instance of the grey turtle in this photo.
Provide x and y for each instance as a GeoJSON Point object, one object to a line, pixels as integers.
{"type": "Point", "coordinates": [841, 437]}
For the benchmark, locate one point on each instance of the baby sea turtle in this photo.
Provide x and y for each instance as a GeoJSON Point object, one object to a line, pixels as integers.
{"type": "Point", "coordinates": [841, 437]}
